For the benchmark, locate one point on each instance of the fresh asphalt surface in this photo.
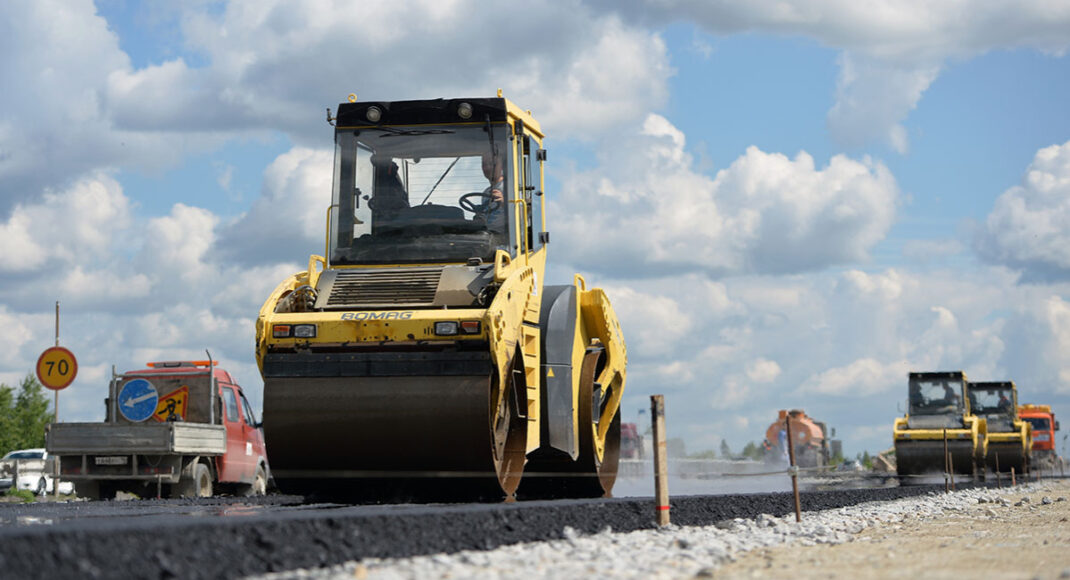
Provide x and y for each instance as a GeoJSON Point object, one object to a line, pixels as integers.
{"type": "Point", "coordinates": [232, 537]}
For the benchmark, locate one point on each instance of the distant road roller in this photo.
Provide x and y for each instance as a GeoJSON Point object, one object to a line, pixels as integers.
{"type": "Point", "coordinates": [937, 406]}
{"type": "Point", "coordinates": [423, 351]}
{"type": "Point", "coordinates": [1009, 437]}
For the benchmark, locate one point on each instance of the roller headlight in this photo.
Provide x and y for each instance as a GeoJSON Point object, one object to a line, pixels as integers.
{"type": "Point", "coordinates": [304, 331]}
{"type": "Point", "coordinates": [446, 328]}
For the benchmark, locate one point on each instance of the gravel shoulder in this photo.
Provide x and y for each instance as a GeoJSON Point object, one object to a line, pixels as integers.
{"type": "Point", "coordinates": [981, 533]}
{"type": "Point", "coordinates": [1023, 536]}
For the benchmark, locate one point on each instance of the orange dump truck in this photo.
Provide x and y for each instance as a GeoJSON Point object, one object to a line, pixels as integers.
{"type": "Point", "coordinates": [810, 439]}
{"type": "Point", "coordinates": [1044, 425]}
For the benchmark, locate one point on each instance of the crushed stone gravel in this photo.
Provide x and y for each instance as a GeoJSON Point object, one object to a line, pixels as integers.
{"type": "Point", "coordinates": [669, 552]}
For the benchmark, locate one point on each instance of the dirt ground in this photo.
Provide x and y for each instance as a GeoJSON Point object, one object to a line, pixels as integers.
{"type": "Point", "coordinates": [1030, 540]}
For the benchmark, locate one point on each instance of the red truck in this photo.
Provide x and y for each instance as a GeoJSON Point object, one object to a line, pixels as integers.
{"type": "Point", "coordinates": [631, 442]}
{"type": "Point", "coordinates": [178, 428]}
{"type": "Point", "coordinates": [1042, 418]}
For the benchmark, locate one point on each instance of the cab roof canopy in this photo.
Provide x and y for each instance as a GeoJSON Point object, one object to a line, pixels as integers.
{"type": "Point", "coordinates": [992, 385]}
{"type": "Point", "coordinates": [432, 112]}
{"type": "Point", "coordinates": [946, 375]}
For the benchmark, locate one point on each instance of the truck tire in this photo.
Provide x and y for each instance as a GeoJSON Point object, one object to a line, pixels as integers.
{"type": "Point", "coordinates": [198, 485]}
{"type": "Point", "coordinates": [258, 486]}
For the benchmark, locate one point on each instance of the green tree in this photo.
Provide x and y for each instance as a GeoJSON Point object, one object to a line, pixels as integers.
{"type": "Point", "coordinates": [23, 416]}
{"type": "Point", "coordinates": [675, 447]}
{"type": "Point", "coordinates": [8, 435]}
{"type": "Point", "coordinates": [753, 451]}
{"type": "Point", "coordinates": [865, 459]}
{"type": "Point", "coordinates": [707, 454]}
{"type": "Point", "coordinates": [726, 451]}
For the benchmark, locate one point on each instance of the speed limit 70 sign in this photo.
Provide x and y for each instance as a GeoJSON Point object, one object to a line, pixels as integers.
{"type": "Point", "coordinates": [56, 368]}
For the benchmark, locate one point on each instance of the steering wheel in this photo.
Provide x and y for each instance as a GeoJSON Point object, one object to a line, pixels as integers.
{"type": "Point", "coordinates": [485, 205]}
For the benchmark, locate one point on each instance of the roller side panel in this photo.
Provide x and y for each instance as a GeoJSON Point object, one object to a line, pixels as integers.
{"type": "Point", "coordinates": [557, 321]}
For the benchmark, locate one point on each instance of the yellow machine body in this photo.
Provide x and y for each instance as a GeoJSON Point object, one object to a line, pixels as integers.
{"type": "Point", "coordinates": [424, 345]}
{"type": "Point", "coordinates": [939, 432]}
{"type": "Point", "coordinates": [1009, 437]}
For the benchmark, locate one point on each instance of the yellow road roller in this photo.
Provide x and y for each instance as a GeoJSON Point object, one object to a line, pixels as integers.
{"type": "Point", "coordinates": [938, 418]}
{"type": "Point", "coordinates": [423, 352]}
{"type": "Point", "coordinates": [1009, 437]}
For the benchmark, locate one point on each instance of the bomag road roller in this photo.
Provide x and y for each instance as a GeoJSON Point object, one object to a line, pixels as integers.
{"type": "Point", "coordinates": [1009, 437]}
{"type": "Point", "coordinates": [423, 352]}
{"type": "Point", "coordinates": [938, 414]}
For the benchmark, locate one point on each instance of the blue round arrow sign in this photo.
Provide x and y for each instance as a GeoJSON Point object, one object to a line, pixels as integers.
{"type": "Point", "coordinates": [138, 400]}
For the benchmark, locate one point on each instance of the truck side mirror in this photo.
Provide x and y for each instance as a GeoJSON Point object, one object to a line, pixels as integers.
{"type": "Point", "coordinates": [1056, 425]}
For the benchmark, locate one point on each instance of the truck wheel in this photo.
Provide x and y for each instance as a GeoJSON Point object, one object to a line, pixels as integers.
{"type": "Point", "coordinates": [199, 485]}
{"type": "Point", "coordinates": [258, 486]}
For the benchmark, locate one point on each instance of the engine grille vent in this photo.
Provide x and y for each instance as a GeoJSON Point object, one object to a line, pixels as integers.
{"type": "Point", "coordinates": [384, 288]}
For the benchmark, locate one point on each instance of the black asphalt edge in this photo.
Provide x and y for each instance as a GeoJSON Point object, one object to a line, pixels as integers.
{"type": "Point", "coordinates": [214, 547]}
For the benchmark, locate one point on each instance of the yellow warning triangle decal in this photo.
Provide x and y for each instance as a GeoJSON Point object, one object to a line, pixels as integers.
{"type": "Point", "coordinates": [550, 371]}
{"type": "Point", "coordinates": [173, 403]}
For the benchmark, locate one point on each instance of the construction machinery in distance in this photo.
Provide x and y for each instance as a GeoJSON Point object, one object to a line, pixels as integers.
{"type": "Point", "coordinates": [939, 432]}
{"type": "Point", "coordinates": [1009, 439]}
{"type": "Point", "coordinates": [1043, 427]}
{"type": "Point", "coordinates": [810, 438]}
{"type": "Point", "coordinates": [423, 350]}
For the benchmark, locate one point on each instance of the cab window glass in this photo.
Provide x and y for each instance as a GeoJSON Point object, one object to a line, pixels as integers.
{"type": "Point", "coordinates": [231, 404]}
{"type": "Point", "coordinates": [249, 417]}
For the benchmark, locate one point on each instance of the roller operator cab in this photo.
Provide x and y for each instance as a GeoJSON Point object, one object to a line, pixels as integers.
{"type": "Point", "coordinates": [936, 405]}
{"type": "Point", "coordinates": [1009, 437]}
{"type": "Point", "coordinates": [423, 350]}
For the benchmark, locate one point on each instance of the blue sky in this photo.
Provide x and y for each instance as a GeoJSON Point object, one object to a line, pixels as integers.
{"type": "Point", "coordinates": [793, 204]}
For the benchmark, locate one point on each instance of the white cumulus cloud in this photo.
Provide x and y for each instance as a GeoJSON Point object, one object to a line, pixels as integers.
{"type": "Point", "coordinates": [67, 227]}
{"type": "Point", "coordinates": [1029, 226]}
{"type": "Point", "coordinates": [892, 51]}
{"type": "Point", "coordinates": [766, 213]}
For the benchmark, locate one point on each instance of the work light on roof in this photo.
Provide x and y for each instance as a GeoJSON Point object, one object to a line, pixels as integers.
{"type": "Point", "coordinates": [373, 114]}
{"type": "Point", "coordinates": [464, 111]}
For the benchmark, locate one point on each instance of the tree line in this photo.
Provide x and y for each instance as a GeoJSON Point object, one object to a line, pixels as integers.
{"type": "Point", "coordinates": [24, 413]}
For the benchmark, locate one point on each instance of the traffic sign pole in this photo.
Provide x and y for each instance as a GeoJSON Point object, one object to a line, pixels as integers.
{"type": "Point", "coordinates": [55, 409]}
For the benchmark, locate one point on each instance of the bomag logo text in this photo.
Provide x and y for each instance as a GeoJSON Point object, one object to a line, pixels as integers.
{"type": "Point", "coordinates": [376, 315]}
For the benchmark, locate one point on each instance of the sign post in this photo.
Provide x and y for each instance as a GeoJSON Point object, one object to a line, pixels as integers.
{"type": "Point", "coordinates": [56, 369]}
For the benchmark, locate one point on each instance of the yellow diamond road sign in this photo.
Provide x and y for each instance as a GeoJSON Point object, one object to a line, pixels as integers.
{"type": "Point", "coordinates": [56, 368]}
{"type": "Point", "coordinates": [173, 404]}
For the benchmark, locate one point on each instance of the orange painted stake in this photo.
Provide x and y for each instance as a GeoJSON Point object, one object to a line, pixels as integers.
{"type": "Point", "coordinates": [793, 470]}
{"type": "Point", "coordinates": [999, 480]}
{"type": "Point", "coordinates": [947, 463]}
{"type": "Point", "coordinates": [661, 465]}
{"type": "Point", "coordinates": [1013, 481]}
